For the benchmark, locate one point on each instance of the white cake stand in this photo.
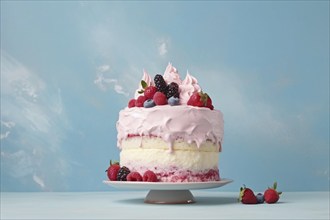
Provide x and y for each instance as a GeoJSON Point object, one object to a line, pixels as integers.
{"type": "Point", "coordinates": [168, 193]}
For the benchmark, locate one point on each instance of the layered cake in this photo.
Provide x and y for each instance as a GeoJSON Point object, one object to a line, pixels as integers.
{"type": "Point", "coordinates": [171, 128]}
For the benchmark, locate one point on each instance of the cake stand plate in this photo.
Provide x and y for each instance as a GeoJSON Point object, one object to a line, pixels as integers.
{"type": "Point", "coordinates": [168, 193]}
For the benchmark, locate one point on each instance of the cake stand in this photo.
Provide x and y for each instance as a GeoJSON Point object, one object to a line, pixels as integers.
{"type": "Point", "coordinates": [168, 193]}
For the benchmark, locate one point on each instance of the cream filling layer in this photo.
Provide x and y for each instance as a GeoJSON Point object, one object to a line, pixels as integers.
{"type": "Point", "coordinates": [157, 160]}
{"type": "Point", "coordinates": [159, 143]}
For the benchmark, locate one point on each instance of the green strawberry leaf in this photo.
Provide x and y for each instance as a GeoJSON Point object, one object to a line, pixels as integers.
{"type": "Point", "coordinates": [144, 84]}
{"type": "Point", "coordinates": [275, 185]}
{"type": "Point", "coordinates": [141, 91]}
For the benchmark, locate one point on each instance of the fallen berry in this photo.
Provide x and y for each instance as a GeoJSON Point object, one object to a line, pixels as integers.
{"type": "Point", "coordinates": [260, 198]}
{"type": "Point", "coordinates": [246, 196]}
{"type": "Point", "coordinates": [271, 195]}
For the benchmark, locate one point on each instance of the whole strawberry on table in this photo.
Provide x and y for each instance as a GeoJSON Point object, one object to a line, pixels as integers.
{"type": "Point", "coordinates": [247, 196]}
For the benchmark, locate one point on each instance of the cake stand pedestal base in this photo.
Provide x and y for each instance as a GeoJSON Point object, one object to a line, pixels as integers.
{"type": "Point", "coordinates": [169, 197]}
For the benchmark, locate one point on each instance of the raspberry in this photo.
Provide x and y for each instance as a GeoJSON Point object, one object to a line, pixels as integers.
{"type": "Point", "coordinates": [160, 98]}
{"type": "Point", "coordinates": [134, 176]}
{"type": "Point", "coordinates": [140, 100]}
{"type": "Point", "coordinates": [122, 173]}
{"type": "Point", "coordinates": [172, 90]}
{"type": "Point", "coordinates": [150, 91]}
{"type": "Point", "coordinates": [160, 83]}
{"type": "Point", "coordinates": [149, 176]}
{"type": "Point", "coordinates": [131, 103]}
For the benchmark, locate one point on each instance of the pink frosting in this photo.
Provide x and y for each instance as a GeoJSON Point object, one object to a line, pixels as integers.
{"type": "Point", "coordinates": [171, 74]}
{"type": "Point", "coordinates": [146, 77]}
{"type": "Point", "coordinates": [188, 87]}
{"type": "Point", "coordinates": [192, 124]}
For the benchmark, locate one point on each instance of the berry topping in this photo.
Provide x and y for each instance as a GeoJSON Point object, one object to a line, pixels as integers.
{"type": "Point", "coordinates": [246, 196]}
{"type": "Point", "coordinates": [149, 176]}
{"type": "Point", "coordinates": [271, 195]}
{"type": "Point", "coordinates": [173, 101]}
{"type": "Point", "coordinates": [150, 91]}
{"type": "Point", "coordinates": [149, 103]}
{"type": "Point", "coordinates": [260, 198]}
{"type": "Point", "coordinates": [134, 176]}
{"type": "Point", "coordinates": [112, 171]}
{"type": "Point", "coordinates": [131, 103]}
{"type": "Point", "coordinates": [139, 101]}
{"type": "Point", "coordinates": [160, 98]}
{"type": "Point", "coordinates": [160, 83]}
{"type": "Point", "coordinates": [200, 99]}
{"type": "Point", "coordinates": [122, 173]}
{"type": "Point", "coordinates": [172, 90]}
{"type": "Point", "coordinates": [209, 103]}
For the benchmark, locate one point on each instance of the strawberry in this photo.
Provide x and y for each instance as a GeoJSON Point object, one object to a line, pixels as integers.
{"type": "Point", "coordinates": [160, 98]}
{"type": "Point", "coordinates": [209, 103]}
{"type": "Point", "coordinates": [246, 196]}
{"type": "Point", "coordinates": [200, 99]}
{"type": "Point", "coordinates": [134, 176]}
{"type": "Point", "coordinates": [140, 100]}
{"type": "Point", "coordinates": [112, 171]}
{"type": "Point", "coordinates": [131, 103]}
{"type": "Point", "coordinates": [149, 176]}
{"type": "Point", "coordinates": [150, 91]}
{"type": "Point", "coordinates": [195, 100]}
{"type": "Point", "coordinates": [271, 195]}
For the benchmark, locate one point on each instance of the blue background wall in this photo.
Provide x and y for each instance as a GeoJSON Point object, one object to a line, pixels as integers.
{"type": "Point", "coordinates": [67, 68]}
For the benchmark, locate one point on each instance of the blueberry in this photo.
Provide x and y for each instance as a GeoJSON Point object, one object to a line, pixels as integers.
{"type": "Point", "coordinates": [149, 103]}
{"type": "Point", "coordinates": [260, 198]}
{"type": "Point", "coordinates": [173, 101]}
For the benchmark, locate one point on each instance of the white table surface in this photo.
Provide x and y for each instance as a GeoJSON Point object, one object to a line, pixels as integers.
{"type": "Point", "coordinates": [209, 204]}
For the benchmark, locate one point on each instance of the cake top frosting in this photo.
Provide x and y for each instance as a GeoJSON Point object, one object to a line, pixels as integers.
{"type": "Point", "coordinates": [186, 88]}
{"type": "Point", "coordinates": [172, 109]}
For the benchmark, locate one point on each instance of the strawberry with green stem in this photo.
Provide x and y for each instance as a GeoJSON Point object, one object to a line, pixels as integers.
{"type": "Point", "coordinates": [112, 170]}
{"type": "Point", "coordinates": [246, 196]}
{"type": "Point", "coordinates": [271, 195]}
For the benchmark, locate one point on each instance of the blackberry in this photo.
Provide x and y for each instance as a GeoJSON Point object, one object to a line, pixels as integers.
{"type": "Point", "coordinates": [122, 173]}
{"type": "Point", "coordinates": [160, 83]}
{"type": "Point", "coordinates": [172, 90]}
